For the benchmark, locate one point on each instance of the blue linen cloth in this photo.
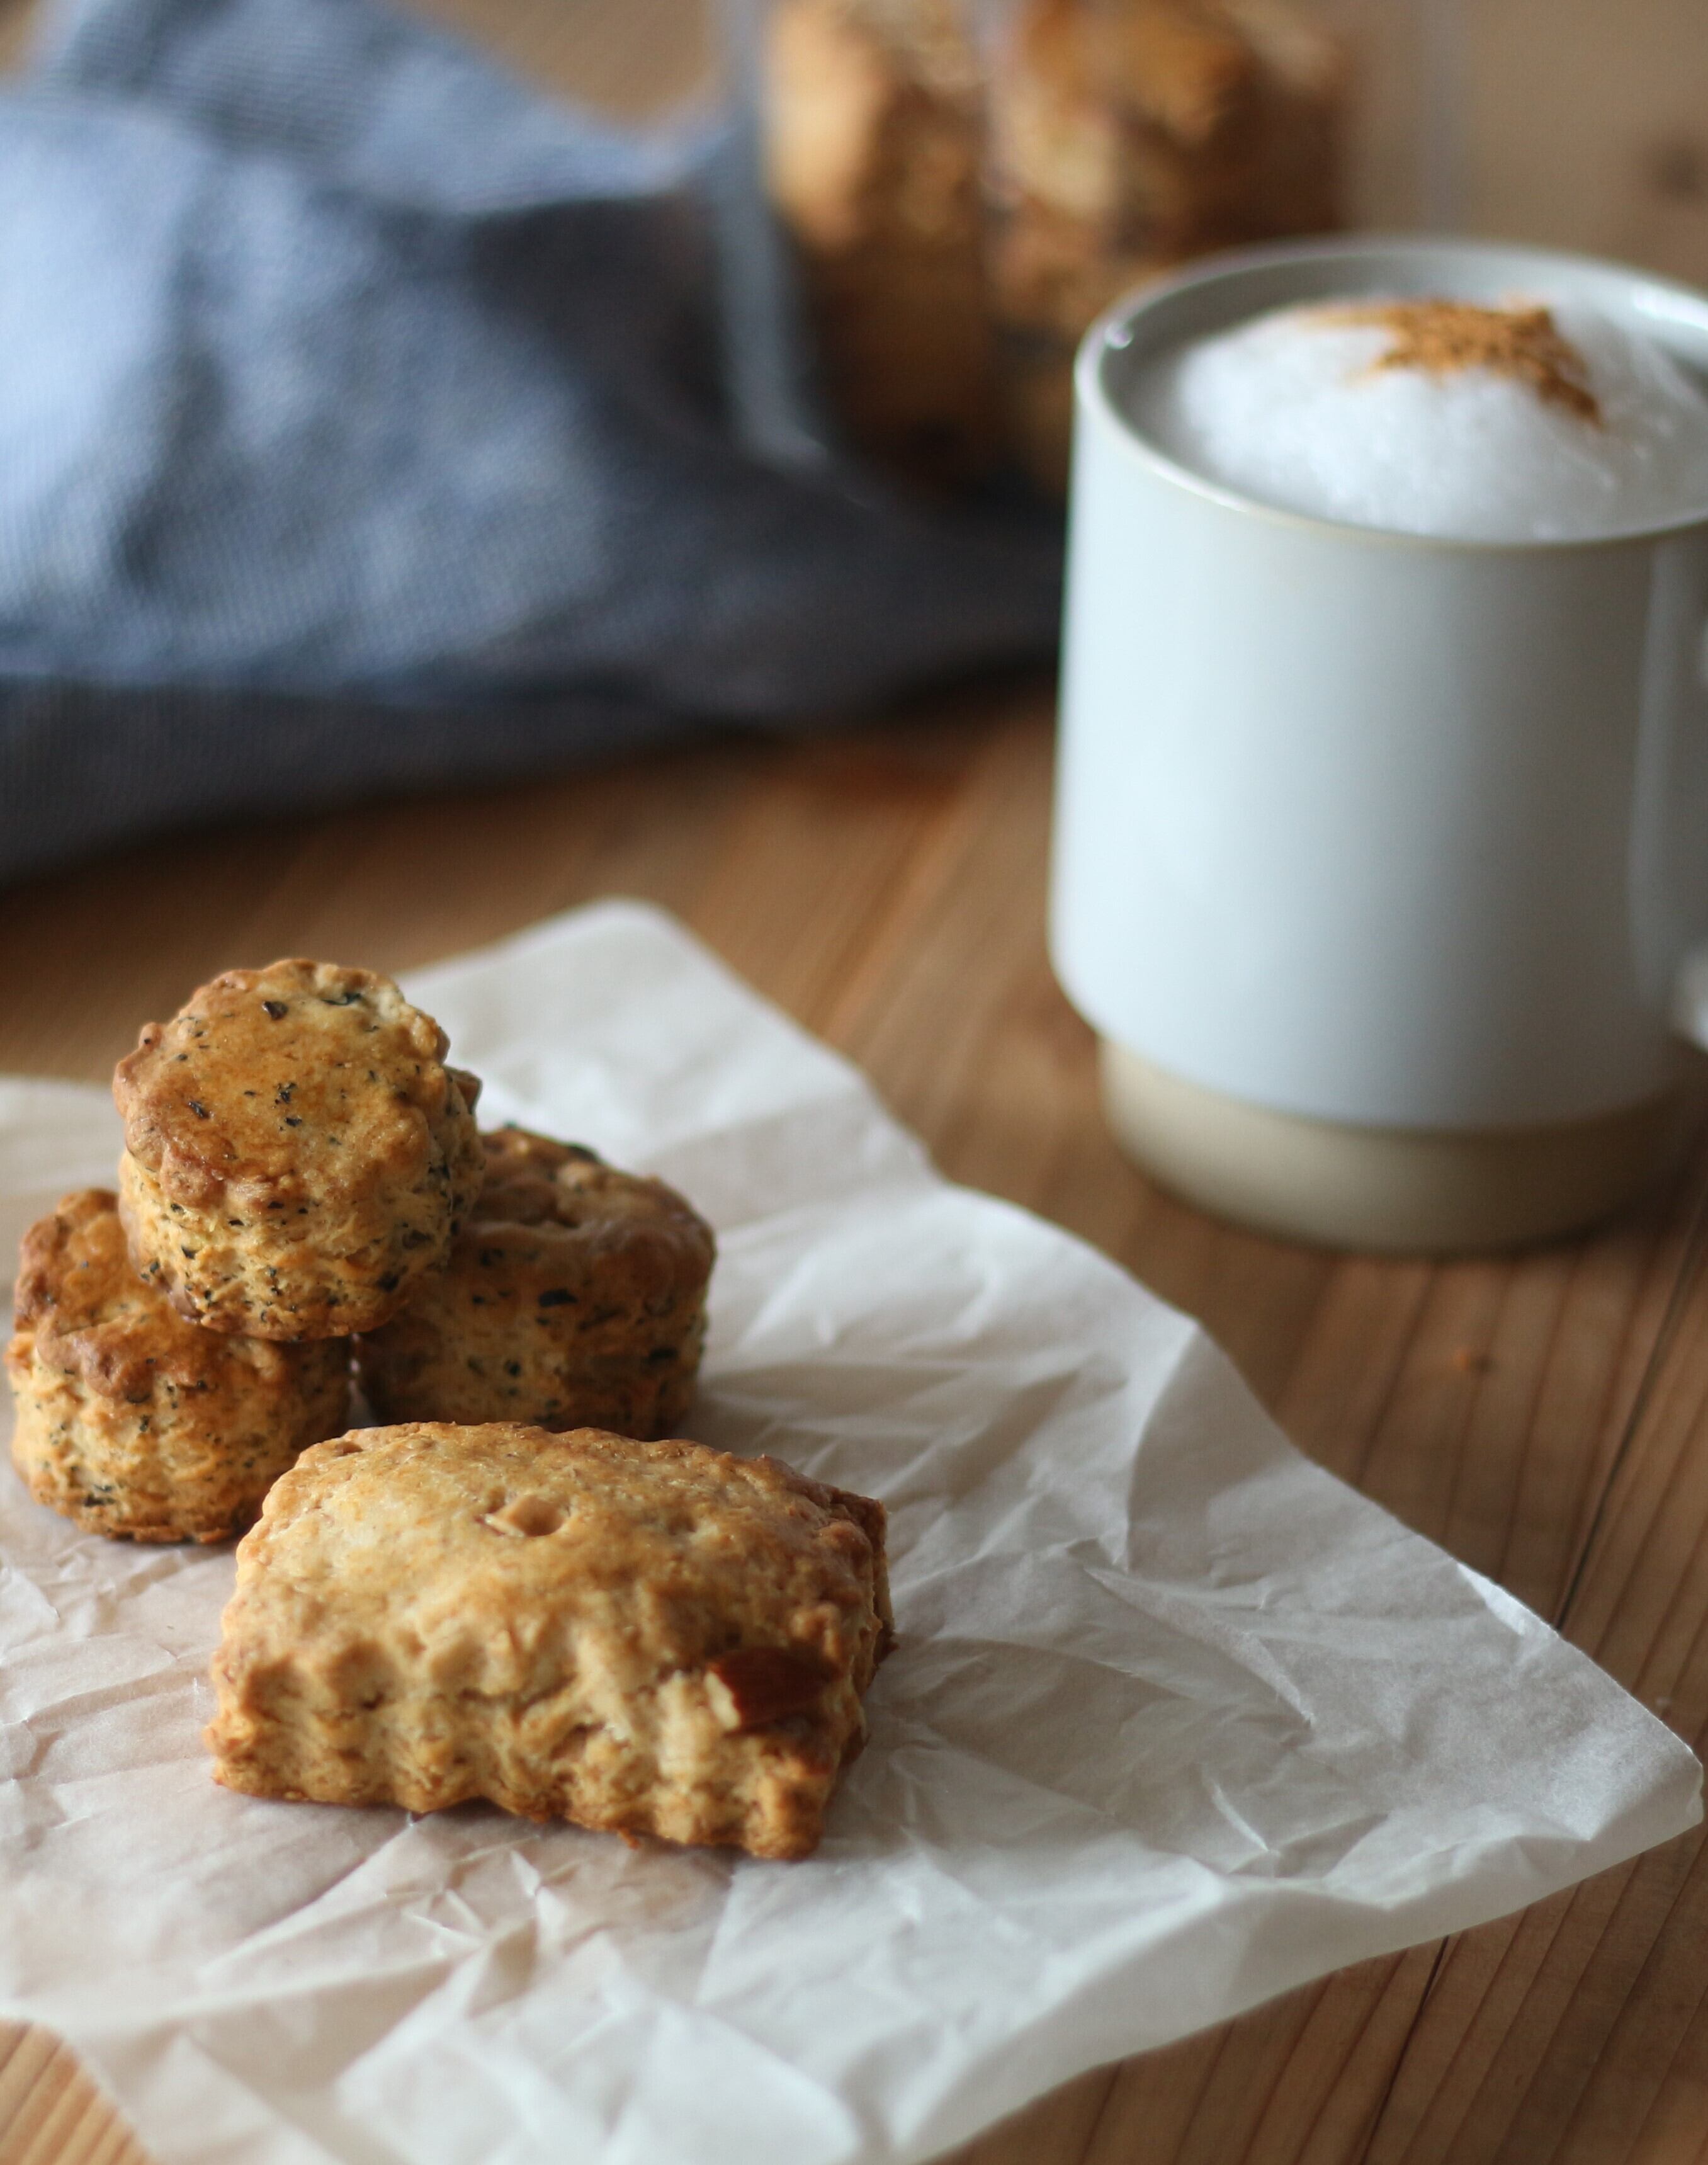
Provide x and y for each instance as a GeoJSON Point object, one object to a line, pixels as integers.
{"type": "Point", "coordinates": [361, 425]}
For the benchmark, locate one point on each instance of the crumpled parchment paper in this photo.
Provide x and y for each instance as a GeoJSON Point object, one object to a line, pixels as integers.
{"type": "Point", "coordinates": [1176, 1721]}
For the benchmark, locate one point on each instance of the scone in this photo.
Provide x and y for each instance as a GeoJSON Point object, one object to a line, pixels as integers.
{"type": "Point", "coordinates": [872, 152]}
{"type": "Point", "coordinates": [297, 1154]}
{"type": "Point", "coordinates": [651, 1638]}
{"type": "Point", "coordinates": [576, 1298]}
{"type": "Point", "coordinates": [133, 1422]}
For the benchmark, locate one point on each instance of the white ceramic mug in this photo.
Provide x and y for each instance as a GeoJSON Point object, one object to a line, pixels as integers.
{"type": "Point", "coordinates": [1377, 857]}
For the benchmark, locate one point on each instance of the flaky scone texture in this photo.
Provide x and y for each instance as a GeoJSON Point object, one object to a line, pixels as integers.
{"type": "Point", "coordinates": [133, 1422]}
{"type": "Point", "coordinates": [297, 1155]}
{"type": "Point", "coordinates": [574, 1298]}
{"type": "Point", "coordinates": [651, 1638]}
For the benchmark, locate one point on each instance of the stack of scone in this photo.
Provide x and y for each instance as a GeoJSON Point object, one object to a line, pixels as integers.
{"type": "Point", "coordinates": [961, 207]}
{"type": "Point", "coordinates": [520, 1593]}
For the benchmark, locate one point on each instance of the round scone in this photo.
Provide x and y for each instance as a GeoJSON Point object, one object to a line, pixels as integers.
{"type": "Point", "coordinates": [574, 1298]}
{"type": "Point", "coordinates": [653, 1638]}
{"type": "Point", "coordinates": [297, 1155]}
{"type": "Point", "coordinates": [133, 1422]}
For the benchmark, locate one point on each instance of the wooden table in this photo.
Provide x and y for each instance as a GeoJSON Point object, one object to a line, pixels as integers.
{"type": "Point", "coordinates": [1545, 1417]}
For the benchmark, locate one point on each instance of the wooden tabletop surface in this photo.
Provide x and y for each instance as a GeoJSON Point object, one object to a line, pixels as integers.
{"type": "Point", "coordinates": [1545, 1417]}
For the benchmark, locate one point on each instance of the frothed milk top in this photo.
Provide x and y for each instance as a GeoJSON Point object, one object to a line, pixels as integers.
{"type": "Point", "coordinates": [1516, 423]}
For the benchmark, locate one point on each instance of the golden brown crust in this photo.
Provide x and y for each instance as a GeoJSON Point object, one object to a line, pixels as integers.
{"type": "Point", "coordinates": [297, 1153]}
{"type": "Point", "coordinates": [651, 1638]}
{"type": "Point", "coordinates": [872, 160]}
{"type": "Point", "coordinates": [132, 1422]}
{"type": "Point", "coordinates": [574, 1298]}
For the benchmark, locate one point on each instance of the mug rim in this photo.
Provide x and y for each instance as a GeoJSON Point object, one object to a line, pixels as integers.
{"type": "Point", "coordinates": [1112, 333]}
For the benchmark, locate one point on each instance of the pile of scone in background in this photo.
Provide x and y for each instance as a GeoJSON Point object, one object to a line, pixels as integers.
{"type": "Point", "coordinates": [517, 1591]}
{"type": "Point", "coordinates": [968, 183]}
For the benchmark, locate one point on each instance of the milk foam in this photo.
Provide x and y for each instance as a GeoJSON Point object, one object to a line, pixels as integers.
{"type": "Point", "coordinates": [1295, 409]}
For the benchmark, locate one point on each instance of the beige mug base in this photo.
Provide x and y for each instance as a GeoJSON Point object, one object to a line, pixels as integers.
{"type": "Point", "coordinates": [1394, 1190]}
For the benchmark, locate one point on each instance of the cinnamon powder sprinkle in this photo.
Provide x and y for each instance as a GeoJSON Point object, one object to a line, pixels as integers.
{"type": "Point", "coordinates": [1524, 344]}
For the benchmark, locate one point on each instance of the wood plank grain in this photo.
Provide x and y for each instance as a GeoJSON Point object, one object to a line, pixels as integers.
{"type": "Point", "coordinates": [1581, 2031]}
{"type": "Point", "coordinates": [51, 2114]}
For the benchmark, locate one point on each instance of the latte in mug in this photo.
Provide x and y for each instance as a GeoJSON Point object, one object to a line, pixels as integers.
{"type": "Point", "coordinates": [1465, 421]}
{"type": "Point", "coordinates": [1381, 831]}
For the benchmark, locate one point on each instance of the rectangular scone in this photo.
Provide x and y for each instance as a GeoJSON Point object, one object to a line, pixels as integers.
{"type": "Point", "coordinates": [652, 1638]}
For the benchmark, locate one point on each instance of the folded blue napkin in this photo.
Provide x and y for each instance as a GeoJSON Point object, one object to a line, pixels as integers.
{"type": "Point", "coordinates": [363, 424]}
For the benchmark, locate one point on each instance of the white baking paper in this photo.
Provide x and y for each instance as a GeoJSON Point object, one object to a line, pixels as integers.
{"type": "Point", "coordinates": [1176, 1721]}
